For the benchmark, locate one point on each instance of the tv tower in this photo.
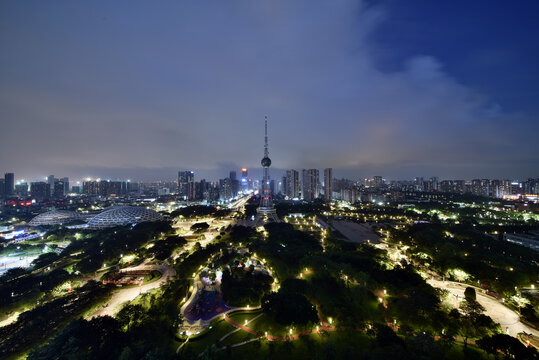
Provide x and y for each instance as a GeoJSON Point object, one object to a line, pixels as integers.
{"type": "Point", "coordinates": [265, 211]}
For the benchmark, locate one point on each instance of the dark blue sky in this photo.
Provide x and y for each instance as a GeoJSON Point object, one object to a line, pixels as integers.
{"type": "Point", "coordinates": [137, 89]}
{"type": "Point", "coordinates": [492, 46]}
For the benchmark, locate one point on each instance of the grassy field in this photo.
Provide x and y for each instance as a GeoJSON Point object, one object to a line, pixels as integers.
{"type": "Point", "coordinates": [198, 344]}
{"type": "Point", "coordinates": [335, 345]}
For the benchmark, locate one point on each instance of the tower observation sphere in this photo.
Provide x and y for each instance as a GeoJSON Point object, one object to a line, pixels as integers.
{"type": "Point", "coordinates": [266, 162]}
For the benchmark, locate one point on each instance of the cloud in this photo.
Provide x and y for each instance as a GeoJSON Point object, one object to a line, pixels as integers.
{"type": "Point", "coordinates": [187, 85]}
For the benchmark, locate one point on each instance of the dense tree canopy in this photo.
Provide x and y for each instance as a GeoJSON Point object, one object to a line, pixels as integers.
{"type": "Point", "coordinates": [289, 308]}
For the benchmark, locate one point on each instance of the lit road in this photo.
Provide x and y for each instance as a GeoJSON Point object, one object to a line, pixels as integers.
{"type": "Point", "coordinates": [240, 203]}
{"type": "Point", "coordinates": [129, 294]}
{"type": "Point", "coordinates": [507, 318]}
{"type": "Point", "coordinates": [10, 262]}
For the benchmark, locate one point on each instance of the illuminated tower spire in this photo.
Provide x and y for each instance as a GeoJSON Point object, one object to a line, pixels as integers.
{"type": "Point", "coordinates": [266, 152]}
{"type": "Point", "coordinates": [265, 211]}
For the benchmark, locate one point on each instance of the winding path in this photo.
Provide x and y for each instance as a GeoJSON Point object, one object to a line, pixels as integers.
{"type": "Point", "coordinates": [130, 293]}
{"type": "Point", "coordinates": [507, 318]}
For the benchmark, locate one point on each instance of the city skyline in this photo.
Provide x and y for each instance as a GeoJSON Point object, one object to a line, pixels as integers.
{"type": "Point", "coordinates": [269, 179]}
{"type": "Point", "coordinates": [352, 96]}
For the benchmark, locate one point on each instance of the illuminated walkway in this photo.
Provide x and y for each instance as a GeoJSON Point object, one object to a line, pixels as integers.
{"type": "Point", "coordinates": [501, 314]}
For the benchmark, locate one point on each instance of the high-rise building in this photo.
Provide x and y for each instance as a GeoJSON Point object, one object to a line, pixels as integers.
{"type": "Point", "coordinates": [350, 195]}
{"type": "Point", "coordinates": [2, 188]}
{"type": "Point", "coordinates": [460, 186]}
{"type": "Point", "coordinates": [244, 181]}
{"type": "Point", "coordinates": [265, 211]}
{"type": "Point", "coordinates": [59, 190]}
{"type": "Point", "coordinates": [90, 187]}
{"type": "Point", "coordinates": [50, 181]}
{"type": "Point", "coordinates": [281, 187]}
{"type": "Point", "coordinates": [378, 181]}
{"type": "Point", "coordinates": [433, 184]}
{"type": "Point", "coordinates": [234, 183]}
{"type": "Point", "coordinates": [309, 186]}
{"type": "Point", "coordinates": [104, 187]}
{"type": "Point", "coordinates": [328, 184]}
{"type": "Point", "coordinates": [40, 190]}
{"type": "Point", "coordinates": [65, 181]}
{"type": "Point", "coordinates": [9, 184]}
{"type": "Point", "coordinates": [186, 185]}
{"type": "Point", "coordinates": [225, 189]}
{"type": "Point", "coordinates": [292, 184]}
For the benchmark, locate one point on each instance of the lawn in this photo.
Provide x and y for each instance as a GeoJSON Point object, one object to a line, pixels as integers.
{"type": "Point", "coordinates": [200, 343]}
{"type": "Point", "coordinates": [337, 344]}
{"type": "Point", "coordinates": [266, 323]}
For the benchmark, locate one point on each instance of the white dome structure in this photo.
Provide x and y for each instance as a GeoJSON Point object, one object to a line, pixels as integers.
{"type": "Point", "coordinates": [123, 215]}
{"type": "Point", "coordinates": [55, 217]}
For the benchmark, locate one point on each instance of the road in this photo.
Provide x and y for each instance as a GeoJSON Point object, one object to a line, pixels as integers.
{"type": "Point", "coordinates": [129, 294]}
{"type": "Point", "coordinates": [507, 318]}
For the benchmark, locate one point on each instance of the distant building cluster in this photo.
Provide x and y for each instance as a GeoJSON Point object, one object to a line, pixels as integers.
{"type": "Point", "coordinates": [309, 186]}
{"type": "Point", "coordinates": [222, 190]}
{"type": "Point", "coordinates": [508, 189]}
{"type": "Point", "coordinates": [51, 188]}
{"type": "Point", "coordinates": [306, 184]}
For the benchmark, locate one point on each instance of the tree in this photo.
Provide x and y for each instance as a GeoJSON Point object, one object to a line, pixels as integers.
{"type": "Point", "coordinates": [289, 308]}
{"type": "Point", "coordinates": [386, 336]}
{"type": "Point", "coordinates": [45, 260]}
{"type": "Point", "coordinates": [126, 354]}
{"type": "Point", "coordinates": [469, 294]}
{"type": "Point", "coordinates": [200, 227]}
{"type": "Point", "coordinates": [509, 345]}
{"type": "Point", "coordinates": [130, 315]}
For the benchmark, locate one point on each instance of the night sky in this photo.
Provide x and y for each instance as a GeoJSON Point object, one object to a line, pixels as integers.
{"type": "Point", "coordinates": [140, 89]}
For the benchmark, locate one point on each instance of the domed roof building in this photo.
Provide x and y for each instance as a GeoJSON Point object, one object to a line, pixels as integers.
{"type": "Point", "coordinates": [123, 215]}
{"type": "Point", "coordinates": [55, 217]}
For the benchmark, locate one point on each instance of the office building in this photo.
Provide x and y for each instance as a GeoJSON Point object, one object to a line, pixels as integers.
{"type": "Point", "coordinates": [40, 190]}
{"type": "Point", "coordinates": [309, 188]}
{"type": "Point", "coordinates": [65, 181]}
{"type": "Point", "coordinates": [328, 184]}
{"type": "Point", "coordinates": [234, 183]}
{"type": "Point", "coordinates": [9, 184]}
{"type": "Point", "coordinates": [50, 181]}
{"type": "Point", "coordinates": [378, 181]}
{"type": "Point", "coordinates": [186, 185]}
{"type": "Point", "coordinates": [292, 184]}
{"type": "Point", "coordinates": [21, 189]}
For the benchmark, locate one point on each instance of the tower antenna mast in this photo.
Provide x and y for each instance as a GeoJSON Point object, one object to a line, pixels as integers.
{"type": "Point", "coordinates": [266, 151]}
